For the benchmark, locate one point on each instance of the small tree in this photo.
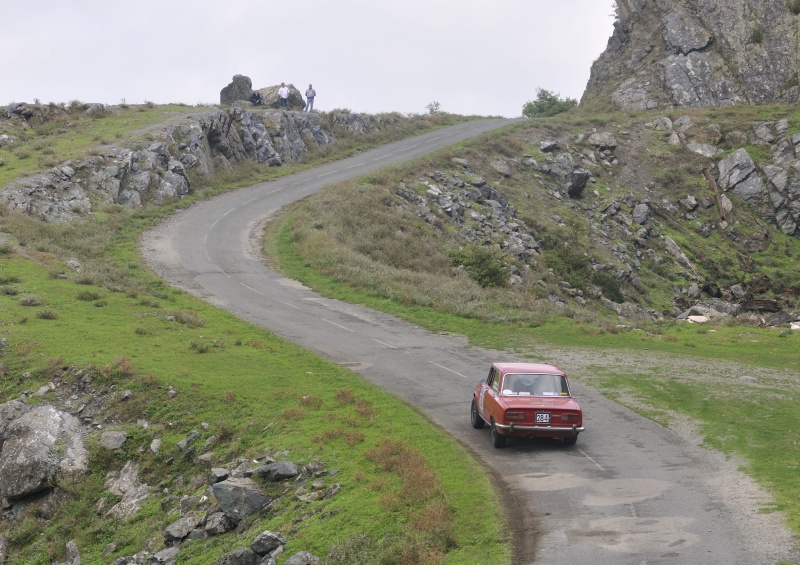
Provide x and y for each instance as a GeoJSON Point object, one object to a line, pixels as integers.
{"type": "Point", "coordinates": [434, 107]}
{"type": "Point", "coordinates": [547, 104]}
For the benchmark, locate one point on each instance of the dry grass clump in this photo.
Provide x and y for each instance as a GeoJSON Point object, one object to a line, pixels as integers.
{"type": "Point", "coordinates": [345, 396]}
{"type": "Point", "coordinates": [293, 414]}
{"type": "Point", "coordinates": [419, 481]}
{"type": "Point", "coordinates": [311, 401]}
{"type": "Point", "coordinates": [350, 437]}
{"type": "Point", "coordinates": [30, 300]}
{"type": "Point", "coordinates": [189, 318]}
{"type": "Point", "coordinates": [431, 530]}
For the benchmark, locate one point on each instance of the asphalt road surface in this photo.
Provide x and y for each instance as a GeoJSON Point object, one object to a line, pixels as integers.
{"type": "Point", "coordinates": [629, 492]}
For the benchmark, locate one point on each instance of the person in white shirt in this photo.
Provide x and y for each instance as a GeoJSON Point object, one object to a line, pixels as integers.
{"type": "Point", "coordinates": [310, 94]}
{"type": "Point", "coordinates": [283, 92]}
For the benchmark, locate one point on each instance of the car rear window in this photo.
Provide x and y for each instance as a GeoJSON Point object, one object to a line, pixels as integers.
{"type": "Point", "coordinates": [534, 385]}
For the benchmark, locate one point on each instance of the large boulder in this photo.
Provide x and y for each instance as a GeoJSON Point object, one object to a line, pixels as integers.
{"type": "Point", "coordinates": [271, 99]}
{"type": "Point", "coordinates": [240, 88]}
{"type": "Point", "coordinates": [37, 447]}
{"type": "Point", "coordinates": [239, 498]}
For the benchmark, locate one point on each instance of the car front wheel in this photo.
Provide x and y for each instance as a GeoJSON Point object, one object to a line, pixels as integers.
{"type": "Point", "coordinates": [498, 439]}
{"type": "Point", "coordinates": [477, 421]}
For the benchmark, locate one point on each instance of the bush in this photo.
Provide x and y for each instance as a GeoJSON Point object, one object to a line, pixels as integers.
{"type": "Point", "coordinates": [547, 104]}
{"type": "Point", "coordinates": [486, 267]}
{"type": "Point", "coordinates": [30, 300]}
{"type": "Point", "coordinates": [611, 286]}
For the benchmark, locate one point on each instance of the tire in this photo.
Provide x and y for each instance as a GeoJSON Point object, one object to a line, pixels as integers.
{"type": "Point", "coordinates": [571, 440]}
{"type": "Point", "coordinates": [477, 421]}
{"type": "Point", "coordinates": [498, 439]}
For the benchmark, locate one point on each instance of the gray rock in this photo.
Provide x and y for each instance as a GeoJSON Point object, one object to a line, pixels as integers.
{"type": "Point", "coordinates": [38, 445]}
{"type": "Point", "coordinates": [125, 483]}
{"type": "Point", "coordinates": [576, 182]}
{"type": "Point", "coordinates": [549, 146]}
{"type": "Point", "coordinates": [704, 149]}
{"type": "Point", "coordinates": [166, 556]}
{"type": "Point", "coordinates": [113, 439]}
{"type": "Point", "coordinates": [218, 523]}
{"type": "Point", "coordinates": [217, 475]}
{"type": "Point", "coordinates": [640, 213]}
{"type": "Point", "coordinates": [278, 471]}
{"type": "Point", "coordinates": [302, 558]}
{"type": "Point", "coordinates": [180, 528]}
{"type": "Point", "coordinates": [267, 542]}
{"type": "Point", "coordinates": [239, 557]}
{"type": "Point", "coordinates": [239, 498]}
{"type": "Point", "coordinates": [682, 34]}
{"type": "Point", "coordinates": [95, 109]}
{"type": "Point", "coordinates": [735, 168]}
{"type": "Point", "coordinates": [239, 89]}
{"type": "Point", "coordinates": [502, 167]}
{"type": "Point", "coordinates": [603, 141]}
{"type": "Point", "coordinates": [688, 203]}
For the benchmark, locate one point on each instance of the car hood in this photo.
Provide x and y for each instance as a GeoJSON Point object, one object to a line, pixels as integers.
{"type": "Point", "coordinates": [555, 402]}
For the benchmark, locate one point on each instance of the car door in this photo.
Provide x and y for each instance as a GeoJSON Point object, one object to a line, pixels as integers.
{"type": "Point", "coordinates": [488, 399]}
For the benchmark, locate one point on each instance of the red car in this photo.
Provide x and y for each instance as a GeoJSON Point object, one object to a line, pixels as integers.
{"type": "Point", "coordinates": [526, 400]}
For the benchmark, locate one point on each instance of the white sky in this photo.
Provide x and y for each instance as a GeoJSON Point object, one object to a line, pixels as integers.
{"type": "Point", "coordinates": [484, 57]}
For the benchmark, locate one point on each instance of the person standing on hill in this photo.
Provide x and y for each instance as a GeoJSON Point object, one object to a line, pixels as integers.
{"type": "Point", "coordinates": [310, 94]}
{"type": "Point", "coordinates": [283, 92]}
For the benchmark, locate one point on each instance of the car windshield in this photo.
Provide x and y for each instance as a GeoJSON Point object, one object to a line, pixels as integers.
{"type": "Point", "coordinates": [534, 385]}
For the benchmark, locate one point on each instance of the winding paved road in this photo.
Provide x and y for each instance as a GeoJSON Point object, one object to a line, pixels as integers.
{"type": "Point", "coordinates": [630, 492]}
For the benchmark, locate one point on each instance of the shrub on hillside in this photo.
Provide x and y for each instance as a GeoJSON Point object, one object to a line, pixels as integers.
{"type": "Point", "coordinates": [486, 267]}
{"type": "Point", "coordinates": [547, 104]}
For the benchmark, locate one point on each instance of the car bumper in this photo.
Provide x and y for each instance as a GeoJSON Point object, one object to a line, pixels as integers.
{"type": "Point", "coordinates": [543, 430]}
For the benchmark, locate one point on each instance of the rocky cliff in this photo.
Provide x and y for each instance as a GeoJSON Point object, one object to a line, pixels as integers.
{"type": "Point", "coordinates": [699, 53]}
{"type": "Point", "coordinates": [161, 169]}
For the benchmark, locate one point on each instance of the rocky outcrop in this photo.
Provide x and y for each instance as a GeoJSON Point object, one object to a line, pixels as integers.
{"type": "Point", "coordinates": [698, 53]}
{"type": "Point", "coordinates": [271, 99]}
{"type": "Point", "coordinates": [162, 170]}
{"type": "Point", "coordinates": [240, 89]}
{"type": "Point", "coordinates": [631, 228]}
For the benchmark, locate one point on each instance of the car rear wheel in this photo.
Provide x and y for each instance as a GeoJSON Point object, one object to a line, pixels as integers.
{"type": "Point", "coordinates": [498, 439]}
{"type": "Point", "coordinates": [477, 421]}
{"type": "Point", "coordinates": [569, 440]}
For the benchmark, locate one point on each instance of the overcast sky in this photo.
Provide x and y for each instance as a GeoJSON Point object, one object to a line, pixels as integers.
{"type": "Point", "coordinates": [484, 57]}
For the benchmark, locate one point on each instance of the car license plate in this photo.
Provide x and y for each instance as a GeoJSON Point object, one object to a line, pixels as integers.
{"type": "Point", "coordinates": [543, 417]}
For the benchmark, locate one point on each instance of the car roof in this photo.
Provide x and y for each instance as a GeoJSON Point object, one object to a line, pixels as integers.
{"type": "Point", "coordinates": [540, 368]}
